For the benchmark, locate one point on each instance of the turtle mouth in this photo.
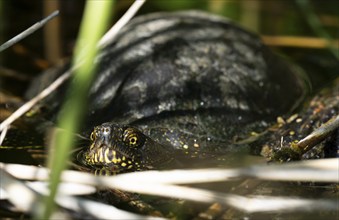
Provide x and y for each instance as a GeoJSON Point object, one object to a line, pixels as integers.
{"type": "Point", "coordinates": [100, 154]}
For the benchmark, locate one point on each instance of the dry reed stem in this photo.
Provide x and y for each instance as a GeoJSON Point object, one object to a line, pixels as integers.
{"type": "Point", "coordinates": [304, 42]}
{"type": "Point", "coordinates": [168, 184]}
{"type": "Point", "coordinates": [109, 37]}
{"type": "Point", "coordinates": [28, 105]}
{"type": "Point", "coordinates": [28, 31]}
{"type": "Point", "coordinates": [129, 14]}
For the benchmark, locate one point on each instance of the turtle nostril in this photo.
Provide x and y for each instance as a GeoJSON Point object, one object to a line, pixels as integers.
{"type": "Point", "coordinates": [105, 131]}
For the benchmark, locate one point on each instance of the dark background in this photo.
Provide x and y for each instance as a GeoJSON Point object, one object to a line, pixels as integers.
{"type": "Point", "coordinates": [31, 56]}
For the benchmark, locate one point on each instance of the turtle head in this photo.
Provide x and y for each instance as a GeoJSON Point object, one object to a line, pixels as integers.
{"type": "Point", "coordinates": [122, 147]}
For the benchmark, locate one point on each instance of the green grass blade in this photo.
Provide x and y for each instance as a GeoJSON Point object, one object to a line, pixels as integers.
{"type": "Point", "coordinates": [94, 23]}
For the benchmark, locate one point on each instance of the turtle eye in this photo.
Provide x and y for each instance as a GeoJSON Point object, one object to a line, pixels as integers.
{"type": "Point", "coordinates": [92, 136]}
{"type": "Point", "coordinates": [133, 140]}
{"type": "Point", "coordinates": [132, 137]}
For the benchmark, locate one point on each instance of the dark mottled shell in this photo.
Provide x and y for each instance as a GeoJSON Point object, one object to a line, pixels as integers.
{"type": "Point", "coordinates": [189, 61]}
{"type": "Point", "coordinates": [190, 71]}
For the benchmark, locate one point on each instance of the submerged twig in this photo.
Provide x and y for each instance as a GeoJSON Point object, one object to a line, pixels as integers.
{"type": "Point", "coordinates": [97, 209]}
{"type": "Point", "coordinates": [28, 31]}
{"type": "Point", "coordinates": [319, 134]}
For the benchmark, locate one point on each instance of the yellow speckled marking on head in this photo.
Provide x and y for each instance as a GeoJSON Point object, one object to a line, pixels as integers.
{"type": "Point", "coordinates": [106, 156]}
{"type": "Point", "coordinates": [123, 164]}
{"type": "Point", "coordinates": [123, 158]}
{"type": "Point", "coordinates": [96, 158]}
{"type": "Point", "coordinates": [101, 158]}
{"type": "Point", "coordinates": [114, 160]}
{"type": "Point", "coordinates": [91, 147]}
